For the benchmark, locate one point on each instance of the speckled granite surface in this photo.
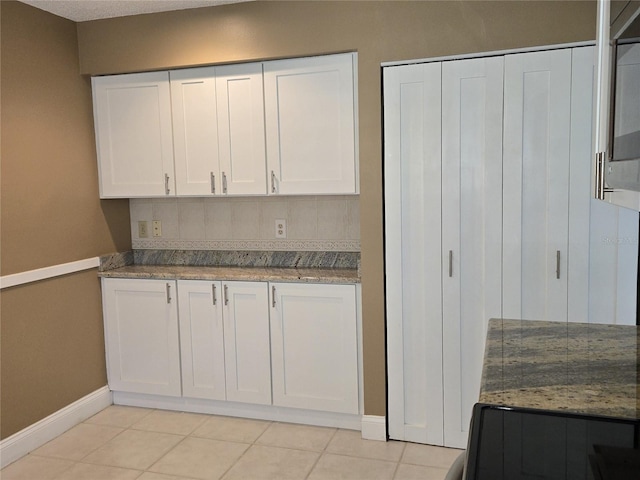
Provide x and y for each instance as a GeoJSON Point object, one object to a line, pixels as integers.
{"type": "Point", "coordinates": [228, 258]}
{"type": "Point", "coordinates": [115, 260]}
{"type": "Point", "coordinates": [264, 274]}
{"type": "Point", "coordinates": [573, 367]}
{"type": "Point", "coordinates": [311, 267]}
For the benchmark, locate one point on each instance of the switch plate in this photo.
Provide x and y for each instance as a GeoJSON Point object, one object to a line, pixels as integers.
{"type": "Point", "coordinates": [157, 228]}
{"type": "Point", "coordinates": [143, 229]}
{"type": "Point", "coordinates": [281, 228]}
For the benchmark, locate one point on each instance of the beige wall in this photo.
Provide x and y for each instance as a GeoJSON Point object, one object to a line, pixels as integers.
{"type": "Point", "coordinates": [379, 32]}
{"type": "Point", "coordinates": [52, 349]}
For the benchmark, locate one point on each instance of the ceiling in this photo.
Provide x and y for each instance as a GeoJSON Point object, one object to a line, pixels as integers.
{"type": "Point", "coordinates": [83, 10]}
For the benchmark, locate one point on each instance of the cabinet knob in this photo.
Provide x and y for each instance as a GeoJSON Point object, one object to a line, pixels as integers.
{"type": "Point", "coordinates": [166, 183]}
{"type": "Point", "coordinates": [224, 182]}
{"type": "Point", "coordinates": [213, 183]}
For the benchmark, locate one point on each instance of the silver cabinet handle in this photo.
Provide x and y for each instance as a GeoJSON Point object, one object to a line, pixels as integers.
{"type": "Point", "coordinates": [224, 182]}
{"type": "Point", "coordinates": [213, 291]}
{"type": "Point", "coordinates": [166, 183]}
{"type": "Point", "coordinates": [226, 295]}
{"type": "Point", "coordinates": [273, 296]}
{"type": "Point", "coordinates": [451, 263]}
{"type": "Point", "coordinates": [273, 182]}
{"type": "Point", "coordinates": [557, 264]}
{"type": "Point", "coordinates": [168, 293]}
{"type": "Point", "coordinates": [213, 183]}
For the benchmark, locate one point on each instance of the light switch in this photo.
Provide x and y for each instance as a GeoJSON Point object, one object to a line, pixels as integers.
{"type": "Point", "coordinates": [143, 229]}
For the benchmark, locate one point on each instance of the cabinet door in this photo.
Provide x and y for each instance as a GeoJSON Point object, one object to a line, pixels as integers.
{"type": "Point", "coordinates": [413, 251]}
{"type": "Point", "coordinates": [314, 347]}
{"type": "Point", "coordinates": [133, 135]}
{"type": "Point", "coordinates": [471, 230]}
{"type": "Point", "coordinates": [246, 342]}
{"type": "Point", "coordinates": [310, 124]}
{"type": "Point", "coordinates": [141, 330]}
{"type": "Point", "coordinates": [195, 131]}
{"type": "Point", "coordinates": [537, 121]}
{"type": "Point", "coordinates": [201, 339]}
{"type": "Point", "coordinates": [241, 129]}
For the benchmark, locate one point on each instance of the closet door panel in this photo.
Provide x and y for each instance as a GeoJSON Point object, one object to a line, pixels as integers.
{"type": "Point", "coordinates": [413, 249]}
{"type": "Point", "coordinates": [471, 229]}
{"type": "Point", "coordinates": [536, 174]}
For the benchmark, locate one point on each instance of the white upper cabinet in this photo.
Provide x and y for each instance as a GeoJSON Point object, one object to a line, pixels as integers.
{"type": "Point", "coordinates": [310, 125]}
{"type": "Point", "coordinates": [241, 129]}
{"type": "Point", "coordinates": [229, 123]}
{"type": "Point", "coordinates": [218, 129]}
{"type": "Point", "coordinates": [195, 131]}
{"type": "Point", "coordinates": [133, 135]}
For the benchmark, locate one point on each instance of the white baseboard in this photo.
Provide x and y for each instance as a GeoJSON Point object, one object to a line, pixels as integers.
{"type": "Point", "coordinates": [34, 436]}
{"type": "Point", "coordinates": [243, 410]}
{"type": "Point", "coordinates": [374, 428]}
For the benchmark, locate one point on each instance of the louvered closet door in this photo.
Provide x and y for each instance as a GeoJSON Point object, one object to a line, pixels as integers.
{"type": "Point", "coordinates": [537, 101]}
{"type": "Point", "coordinates": [412, 124]}
{"type": "Point", "coordinates": [471, 230]}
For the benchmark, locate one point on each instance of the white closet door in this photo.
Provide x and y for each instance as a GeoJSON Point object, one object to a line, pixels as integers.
{"type": "Point", "coordinates": [412, 124]}
{"type": "Point", "coordinates": [537, 100]}
{"type": "Point", "coordinates": [195, 131]}
{"type": "Point", "coordinates": [471, 230]}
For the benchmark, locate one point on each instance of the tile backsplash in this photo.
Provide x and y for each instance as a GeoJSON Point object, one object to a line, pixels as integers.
{"type": "Point", "coordinates": [327, 223]}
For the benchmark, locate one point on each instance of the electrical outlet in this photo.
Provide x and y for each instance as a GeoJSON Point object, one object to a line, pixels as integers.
{"type": "Point", "coordinates": [157, 228]}
{"type": "Point", "coordinates": [281, 228]}
{"type": "Point", "coordinates": [143, 231]}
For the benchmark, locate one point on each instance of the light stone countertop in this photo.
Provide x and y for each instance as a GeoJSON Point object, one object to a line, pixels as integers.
{"type": "Point", "coordinates": [271, 274]}
{"type": "Point", "coordinates": [572, 367]}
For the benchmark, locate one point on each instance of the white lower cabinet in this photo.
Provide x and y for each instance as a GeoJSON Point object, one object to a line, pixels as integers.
{"type": "Point", "coordinates": [314, 347]}
{"type": "Point", "coordinates": [246, 342]}
{"type": "Point", "coordinates": [201, 339]}
{"type": "Point", "coordinates": [233, 341]}
{"type": "Point", "coordinates": [224, 340]}
{"type": "Point", "coordinates": [141, 333]}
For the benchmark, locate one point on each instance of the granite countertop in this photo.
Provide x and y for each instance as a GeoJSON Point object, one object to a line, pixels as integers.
{"type": "Point", "coordinates": [306, 267]}
{"type": "Point", "coordinates": [573, 367]}
{"type": "Point", "coordinates": [171, 272]}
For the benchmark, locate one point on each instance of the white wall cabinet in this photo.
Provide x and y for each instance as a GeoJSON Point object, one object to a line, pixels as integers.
{"type": "Point", "coordinates": [488, 213]}
{"type": "Point", "coordinates": [310, 124]}
{"type": "Point", "coordinates": [132, 115]}
{"type": "Point", "coordinates": [241, 129]}
{"type": "Point", "coordinates": [208, 128]}
{"type": "Point", "coordinates": [314, 347]}
{"type": "Point", "coordinates": [141, 332]}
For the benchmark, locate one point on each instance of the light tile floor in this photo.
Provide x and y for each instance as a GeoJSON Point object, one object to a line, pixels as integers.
{"type": "Point", "coordinates": [127, 443]}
